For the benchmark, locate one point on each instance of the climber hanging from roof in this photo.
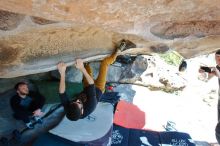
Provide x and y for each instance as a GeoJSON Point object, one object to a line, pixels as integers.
{"type": "Point", "coordinates": [87, 100]}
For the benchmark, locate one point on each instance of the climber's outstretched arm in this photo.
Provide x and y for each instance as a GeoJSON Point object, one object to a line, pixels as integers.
{"type": "Point", "coordinates": [79, 64]}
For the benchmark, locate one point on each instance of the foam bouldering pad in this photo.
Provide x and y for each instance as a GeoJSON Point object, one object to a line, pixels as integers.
{"type": "Point", "coordinates": [49, 139]}
{"type": "Point", "coordinates": [91, 128]}
{"type": "Point", "coordinates": [129, 115]}
{"type": "Point", "coordinates": [176, 138]}
{"type": "Point", "coordinates": [127, 136]}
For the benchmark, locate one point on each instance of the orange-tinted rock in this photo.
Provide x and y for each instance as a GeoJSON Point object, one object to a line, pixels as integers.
{"type": "Point", "coordinates": [41, 21]}
{"type": "Point", "coordinates": [171, 30]}
{"type": "Point", "coordinates": [130, 15]}
{"type": "Point", "coordinates": [88, 29]}
{"type": "Point", "coordinates": [9, 20]}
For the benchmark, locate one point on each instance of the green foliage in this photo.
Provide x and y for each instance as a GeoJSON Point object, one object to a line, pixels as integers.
{"type": "Point", "coordinates": [172, 58]}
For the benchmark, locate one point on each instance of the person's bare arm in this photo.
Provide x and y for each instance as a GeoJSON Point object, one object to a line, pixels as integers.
{"type": "Point", "coordinates": [38, 112]}
{"type": "Point", "coordinates": [210, 76]}
{"type": "Point", "coordinates": [80, 66]}
{"type": "Point", "coordinates": [214, 72]}
{"type": "Point", "coordinates": [62, 69]}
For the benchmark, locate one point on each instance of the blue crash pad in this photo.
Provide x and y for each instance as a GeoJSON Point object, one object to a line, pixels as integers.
{"type": "Point", "coordinates": [131, 137]}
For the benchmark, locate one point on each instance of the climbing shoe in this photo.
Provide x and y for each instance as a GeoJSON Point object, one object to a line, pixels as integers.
{"type": "Point", "coordinates": [125, 44]}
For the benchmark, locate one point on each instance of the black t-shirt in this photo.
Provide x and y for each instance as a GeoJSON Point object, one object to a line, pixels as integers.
{"type": "Point", "coordinates": [93, 95]}
{"type": "Point", "coordinates": [32, 102]}
{"type": "Point", "coordinates": [25, 102]}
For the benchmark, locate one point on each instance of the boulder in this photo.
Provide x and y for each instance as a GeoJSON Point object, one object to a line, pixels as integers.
{"type": "Point", "coordinates": [36, 35]}
{"type": "Point", "coordinates": [145, 70]}
{"type": "Point", "coordinates": [7, 84]}
{"type": "Point", "coordinates": [74, 75]}
{"type": "Point", "coordinates": [153, 72]}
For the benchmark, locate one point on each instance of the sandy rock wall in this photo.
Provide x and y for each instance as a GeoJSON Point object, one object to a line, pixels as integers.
{"type": "Point", "coordinates": [36, 35]}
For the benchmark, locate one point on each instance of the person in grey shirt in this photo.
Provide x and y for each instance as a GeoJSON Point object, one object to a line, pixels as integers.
{"type": "Point", "coordinates": [215, 71]}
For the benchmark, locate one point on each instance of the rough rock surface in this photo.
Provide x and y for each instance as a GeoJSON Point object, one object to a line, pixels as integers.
{"type": "Point", "coordinates": [149, 71]}
{"type": "Point", "coordinates": [74, 75]}
{"type": "Point", "coordinates": [9, 21]}
{"type": "Point", "coordinates": [7, 84]}
{"type": "Point", "coordinates": [36, 35]}
{"type": "Point", "coordinates": [154, 73]}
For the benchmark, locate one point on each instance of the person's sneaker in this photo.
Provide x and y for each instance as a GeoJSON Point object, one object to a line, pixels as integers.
{"type": "Point", "coordinates": [38, 120]}
{"type": "Point", "coordinates": [29, 125]}
{"type": "Point", "coordinates": [171, 126]}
